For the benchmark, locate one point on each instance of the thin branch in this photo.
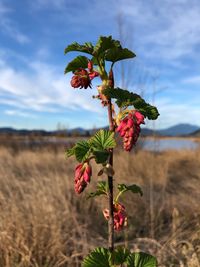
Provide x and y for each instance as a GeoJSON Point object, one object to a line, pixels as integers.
{"type": "Point", "coordinates": [110, 187]}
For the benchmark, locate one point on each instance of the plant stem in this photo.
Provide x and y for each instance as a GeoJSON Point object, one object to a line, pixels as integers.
{"type": "Point", "coordinates": [110, 187]}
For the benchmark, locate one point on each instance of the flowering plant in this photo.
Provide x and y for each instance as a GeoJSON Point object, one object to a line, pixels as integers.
{"type": "Point", "coordinates": [125, 120]}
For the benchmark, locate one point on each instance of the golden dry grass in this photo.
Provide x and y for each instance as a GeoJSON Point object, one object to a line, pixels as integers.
{"type": "Point", "coordinates": [44, 224]}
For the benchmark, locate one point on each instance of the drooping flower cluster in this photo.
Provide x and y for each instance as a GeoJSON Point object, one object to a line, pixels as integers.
{"type": "Point", "coordinates": [129, 128]}
{"type": "Point", "coordinates": [120, 217]}
{"type": "Point", "coordinates": [82, 78]}
{"type": "Point", "coordinates": [83, 174]}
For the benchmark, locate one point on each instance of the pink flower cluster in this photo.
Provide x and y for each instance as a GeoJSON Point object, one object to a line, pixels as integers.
{"type": "Point", "coordinates": [120, 218]}
{"type": "Point", "coordinates": [129, 129]}
{"type": "Point", "coordinates": [83, 174]}
{"type": "Point", "coordinates": [82, 78]}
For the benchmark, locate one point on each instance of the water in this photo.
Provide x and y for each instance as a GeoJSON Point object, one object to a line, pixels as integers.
{"type": "Point", "coordinates": [165, 144]}
{"type": "Point", "coordinates": [147, 144]}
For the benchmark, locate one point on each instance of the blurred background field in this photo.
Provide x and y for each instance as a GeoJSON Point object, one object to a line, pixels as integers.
{"type": "Point", "coordinates": [43, 223]}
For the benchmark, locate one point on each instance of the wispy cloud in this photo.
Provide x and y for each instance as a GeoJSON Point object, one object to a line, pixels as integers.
{"type": "Point", "coordinates": [9, 27]}
{"type": "Point", "coordinates": [19, 113]}
{"type": "Point", "coordinates": [171, 28]}
{"type": "Point", "coordinates": [42, 89]}
{"type": "Point", "coordinates": [166, 32]}
{"type": "Point", "coordinates": [195, 80]}
{"type": "Point", "coordinates": [166, 38]}
{"type": "Point", "coordinates": [173, 112]}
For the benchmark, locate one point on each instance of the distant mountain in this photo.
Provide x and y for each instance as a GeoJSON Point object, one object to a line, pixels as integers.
{"type": "Point", "coordinates": [176, 130]}
{"type": "Point", "coordinates": [9, 130]}
{"type": "Point", "coordinates": [179, 129]}
{"type": "Point", "coordinates": [147, 132]}
{"type": "Point", "coordinates": [196, 133]}
{"type": "Point", "coordinates": [75, 131]}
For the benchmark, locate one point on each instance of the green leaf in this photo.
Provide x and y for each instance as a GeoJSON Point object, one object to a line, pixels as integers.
{"type": "Point", "coordinates": [124, 98]}
{"type": "Point", "coordinates": [99, 257]}
{"type": "Point", "coordinates": [75, 64]}
{"type": "Point", "coordinates": [94, 61]}
{"type": "Point", "coordinates": [102, 188]}
{"type": "Point", "coordinates": [104, 43]}
{"type": "Point", "coordinates": [133, 188]}
{"type": "Point", "coordinates": [120, 255]}
{"type": "Point", "coordinates": [103, 140]}
{"type": "Point", "coordinates": [70, 152]}
{"type": "Point", "coordinates": [100, 156]}
{"type": "Point", "coordinates": [86, 48]}
{"type": "Point", "coordinates": [141, 259]}
{"type": "Point", "coordinates": [117, 53]}
{"type": "Point", "coordinates": [82, 150]}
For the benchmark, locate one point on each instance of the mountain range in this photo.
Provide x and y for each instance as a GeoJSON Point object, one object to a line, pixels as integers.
{"type": "Point", "coordinates": [179, 129]}
{"type": "Point", "coordinates": [182, 129]}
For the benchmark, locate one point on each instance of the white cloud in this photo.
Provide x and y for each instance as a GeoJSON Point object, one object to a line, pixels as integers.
{"type": "Point", "coordinates": [42, 89]}
{"type": "Point", "coordinates": [172, 28]}
{"type": "Point", "coordinates": [9, 28]}
{"type": "Point", "coordinates": [173, 112]}
{"type": "Point", "coordinates": [19, 113]}
{"type": "Point", "coordinates": [166, 31]}
{"type": "Point", "coordinates": [195, 80]}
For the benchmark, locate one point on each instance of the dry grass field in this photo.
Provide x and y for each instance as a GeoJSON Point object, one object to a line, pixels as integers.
{"type": "Point", "coordinates": [44, 224]}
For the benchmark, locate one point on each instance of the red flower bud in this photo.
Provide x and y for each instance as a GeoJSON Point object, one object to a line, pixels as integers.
{"type": "Point", "coordinates": [139, 117]}
{"type": "Point", "coordinates": [81, 79]}
{"type": "Point", "coordinates": [87, 173]}
{"type": "Point", "coordinates": [122, 125]}
{"type": "Point", "coordinates": [130, 123]}
{"type": "Point", "coordinates": [90, 66]}
{"type": "Point", "coordinates": [120, 217]}
{"type": "Point", "coordinates": [93, 74]}
{"type": "Point", "coordinates": [129, 129]}
{"type": "Point", "coordinates": [83, 173]}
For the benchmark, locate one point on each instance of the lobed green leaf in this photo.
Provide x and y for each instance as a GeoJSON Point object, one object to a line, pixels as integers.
{"type": "Point", "coordinates": [120, 255]}
{"type": "Point", "coordinates": [141, 259]}
{"type": "Point", "coordinates": [117, 53]}
{"type": "Point", "coordinates": [86, 48]}
{"type": "Point", "coordinates": [70, 152]}
{"type": "Point", "coordinates": [99, 257]}
{"type": "Point", "coordinates": [96, 145]}
{"type": "Point", "coordinates": [103, 44]}
{"type": "Point", "coordinates": [75, 64]}
{"type": "Point", "coordinates": [103, 140]}
{"type": "Point", "coordinates": [102, 188]}
{"type": "Point", "coordinates": [133, 188]}
{"type": "Point", "coordinates": [100, 156]}
{"type": "Point", "coordinates": [124, 98]}
{"type": "Point", "coordinates": [82, 150]}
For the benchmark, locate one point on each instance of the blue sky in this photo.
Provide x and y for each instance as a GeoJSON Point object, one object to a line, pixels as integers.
{"type": "Point", "coordinates": [34, 93]}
